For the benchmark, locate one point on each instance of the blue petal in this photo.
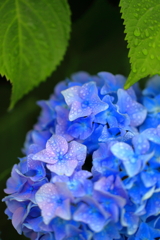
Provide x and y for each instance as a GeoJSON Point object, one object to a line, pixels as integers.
{"type": "Point", "coordinates": [122, 151]}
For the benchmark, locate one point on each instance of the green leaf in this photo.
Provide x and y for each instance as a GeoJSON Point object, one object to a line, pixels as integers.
{"type": "Point", "coordinates": [33, 39]}
{"type": "Point", "coordinates": [142, 28]}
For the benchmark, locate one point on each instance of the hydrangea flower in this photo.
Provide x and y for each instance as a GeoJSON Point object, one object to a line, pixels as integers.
{"type": "Point", "coordinates": [91, 165]}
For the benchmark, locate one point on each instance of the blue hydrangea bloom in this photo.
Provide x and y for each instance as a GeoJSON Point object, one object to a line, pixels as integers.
{"type": "Point", "coordinates": [91, 165]}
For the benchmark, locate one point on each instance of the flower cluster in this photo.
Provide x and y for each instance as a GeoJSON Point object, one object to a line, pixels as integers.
{"type": "Point", "coordinates": [91, 169]}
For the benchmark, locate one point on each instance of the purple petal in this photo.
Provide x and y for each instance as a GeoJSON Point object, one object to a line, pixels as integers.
{"type": "Point", "coordinates": [78, 110]}
{"type": "Point", "coordinates": [50, 198]}
{"type": "Point", "coordinates": [81, 77]}
{"type": "Point", "coordinates": [15, 182]}
{"type": "Point", "coordinates": [82, 128]}
{"type": "Point", "coordinates": [88, 90]}
{"type": "Point", "coordinates": [76, 151]}
{"type": "Point", "coordinates": [44, 200]}
{"type": "Point", "coordinates": [90, 215]}
{"type": "Point", "coordinates": [45, 156]}
{"type": "Point", "coordinates": [40, 138]}
{"type": "Point", "coordinates": [71, 95]}
{"type": "Point", "coordinates": [63, 167]}
{"type": "Point", "coordinates": [112, 83]}
{"type": "Point", "coordinates": [17, 219]}
{"type": "Point", "coordinates": [104, 184]}
{"type": "Point", "coordinates": [57, 144]}
{"type": "Point", "coordinates": [136, 111]}
{"type": "Point", "coordinates": [64, 210]}
{"type": "Point", "coordinates": [82, 175]}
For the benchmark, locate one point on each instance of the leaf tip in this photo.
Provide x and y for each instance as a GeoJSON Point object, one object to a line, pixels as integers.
{"type": "Point", "coordinates": [127, 85]}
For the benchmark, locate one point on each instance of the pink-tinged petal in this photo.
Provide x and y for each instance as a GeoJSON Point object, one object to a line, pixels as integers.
{"type": "Point", "coordinates": [77, 111]}
{"type": "Point", "coordinates": [82, 175]}
{"type": "Point", "coordinates": [17, 218]}
{"type": "Point", "coordinates": [50, 198]}
{"type": "Point", "coordinates": [57, 144]}
{"type": "Point", "coordinates": [77, 151]}
{"type": "Point", "coordinates": [71, 95]}
{"type": "Point", "coordinates": [104, 184]}
{"type": "Point", "coordinates": [46, 200]}
{"type": "Point", "coordinates": [122, 151]}
{"type": "Point", "coordinates": [63, 190]}
{"type": "Point", "coordinates": [63, 167]}
{"type": "Point", "coordinates": [14, 205]}
{"type": "Point", "coordinates": [64, 210]}
{"type": "Point", "coordinates": [45, 156]}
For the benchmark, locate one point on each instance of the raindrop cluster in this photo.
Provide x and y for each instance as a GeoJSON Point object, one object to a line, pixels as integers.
{"type": "Point", "coordinates": [91, 165]}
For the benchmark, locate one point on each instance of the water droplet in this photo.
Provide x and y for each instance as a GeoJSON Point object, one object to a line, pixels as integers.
{"type": "Point", "coordinates": [134, 70]}
{"type": "Point", "coordinates": [137, 32]}
{"type": "Point", "coordinates": [143, 69]}
{"type": "Point", "coordinates": [144, 51]}
{"type": "Point", "coordinates": [136, 14]}
{"type": "Point", "coordinates": [152, 56]}
{"type": "Point", "coordinates": [147, 33]}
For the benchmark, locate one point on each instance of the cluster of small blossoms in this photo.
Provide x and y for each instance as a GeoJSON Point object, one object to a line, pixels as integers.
{"type": "Point", "coordinates": [91, 169]}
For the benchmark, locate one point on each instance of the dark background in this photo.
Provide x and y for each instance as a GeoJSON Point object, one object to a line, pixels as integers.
{"type": "Point", "coordinates": [96, 44]}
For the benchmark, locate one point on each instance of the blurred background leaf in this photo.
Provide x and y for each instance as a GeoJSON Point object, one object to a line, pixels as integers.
{"type": "Point", "coordinates": [96, 44]}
